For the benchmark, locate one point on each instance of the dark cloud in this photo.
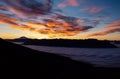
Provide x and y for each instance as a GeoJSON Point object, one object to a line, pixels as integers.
{"type": "Point", "coordinates": [28, 7]}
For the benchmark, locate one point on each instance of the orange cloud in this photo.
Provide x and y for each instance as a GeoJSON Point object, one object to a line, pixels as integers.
{"type": "Point", "coordinates": [22, 27]}
{"type": "Point", "coordinates": [80, 20]}
{"type": "Point", "coordinates": [68, 3]}
{"type": "Point", "coordinates": [115, 27]}
{"type": "Point", "coordinates": [54, 28]}
{"type": "Point", "coordinates": [14, 23]}
{"type": "Point", "coordinates": [61, 26]}
{"type": "Point", "coordinates": [5, 19]}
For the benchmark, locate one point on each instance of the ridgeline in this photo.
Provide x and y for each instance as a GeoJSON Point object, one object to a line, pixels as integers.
{"type": "Point", "coordinates": [88, 43]}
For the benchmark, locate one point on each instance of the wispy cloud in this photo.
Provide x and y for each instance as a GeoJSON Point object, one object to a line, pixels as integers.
{"type": "Point", "coordinates": [93, 9]}
{"type": "Point", "coordinates": [115, 27]}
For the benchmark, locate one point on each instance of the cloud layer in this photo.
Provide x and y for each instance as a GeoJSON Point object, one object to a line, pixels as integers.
{"type": "Point", "coordinates": [38, 16]}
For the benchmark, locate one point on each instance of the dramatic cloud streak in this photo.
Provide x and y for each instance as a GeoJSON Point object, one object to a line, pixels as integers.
{"type": "Point", "coordinates": [115, 27]}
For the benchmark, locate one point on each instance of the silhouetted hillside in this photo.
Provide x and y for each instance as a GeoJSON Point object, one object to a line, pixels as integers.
{"type": "Point", "coordinates": [28, 63]}
{"type": "Point", "coordinates": [89, 43]}
{"type": "Point", "coordinates": [21, 39]}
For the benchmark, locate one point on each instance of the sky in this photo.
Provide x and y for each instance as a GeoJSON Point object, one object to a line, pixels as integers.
{"type": "Point", "coordinates": [67, 19]}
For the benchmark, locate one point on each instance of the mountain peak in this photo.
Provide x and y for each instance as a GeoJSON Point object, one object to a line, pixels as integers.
{"type": "Point", "coordinates": [23, 37]}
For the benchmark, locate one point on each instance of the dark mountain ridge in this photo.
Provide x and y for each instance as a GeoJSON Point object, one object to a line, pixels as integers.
{"type": "Point", "coordinates": [88, 43]}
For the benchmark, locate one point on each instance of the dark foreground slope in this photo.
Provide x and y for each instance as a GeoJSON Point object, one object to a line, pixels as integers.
{"type": "Point", "coordinates": [23, 62]}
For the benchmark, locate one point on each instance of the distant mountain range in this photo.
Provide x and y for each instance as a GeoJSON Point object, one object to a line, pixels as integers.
{"type": "Point", "coordinates": [88, 43]}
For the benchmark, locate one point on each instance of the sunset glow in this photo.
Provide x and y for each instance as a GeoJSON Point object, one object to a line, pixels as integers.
{"type": "Point", "coordinates": [68, 19]}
